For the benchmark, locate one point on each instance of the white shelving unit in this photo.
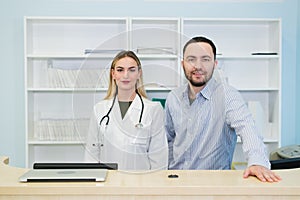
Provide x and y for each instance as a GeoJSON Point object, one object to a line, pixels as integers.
{"type": "Point", "coordinates": [66, 62]}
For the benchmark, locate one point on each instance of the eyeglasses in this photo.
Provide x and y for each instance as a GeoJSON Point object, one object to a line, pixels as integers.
{"type": "Point", "coordinates": [191, 60]}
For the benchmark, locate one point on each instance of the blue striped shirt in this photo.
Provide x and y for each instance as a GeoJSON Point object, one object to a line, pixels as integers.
{"type": "Point", "coordinates": [203, 135]}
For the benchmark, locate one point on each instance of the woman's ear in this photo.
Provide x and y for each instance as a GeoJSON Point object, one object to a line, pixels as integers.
{"type": "Point", "coordinates": [140, 73]}
{"type": "Point", "coordinates": [112, 71]}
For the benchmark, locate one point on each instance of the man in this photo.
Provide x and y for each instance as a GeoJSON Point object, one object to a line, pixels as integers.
{"type": "Point", "coordinates": [205, 116]}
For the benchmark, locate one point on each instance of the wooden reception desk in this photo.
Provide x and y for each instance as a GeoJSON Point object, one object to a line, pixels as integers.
{"type": "Point", "coordinates": [191, 184]}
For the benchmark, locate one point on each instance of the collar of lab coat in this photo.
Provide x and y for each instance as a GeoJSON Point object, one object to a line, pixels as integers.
{"type": "Point", "coordinates": [132, 115]}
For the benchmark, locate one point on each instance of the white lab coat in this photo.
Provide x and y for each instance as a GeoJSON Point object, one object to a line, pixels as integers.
{"type": "Point", "coordinates": [122, 142]}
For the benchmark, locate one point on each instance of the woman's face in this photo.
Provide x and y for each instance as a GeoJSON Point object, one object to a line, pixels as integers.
{"type": "Point", "coordinates": [126, 73]}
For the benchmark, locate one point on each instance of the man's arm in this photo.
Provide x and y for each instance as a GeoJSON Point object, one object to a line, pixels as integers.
{"type": "Point", "coordinates": [240, 118]}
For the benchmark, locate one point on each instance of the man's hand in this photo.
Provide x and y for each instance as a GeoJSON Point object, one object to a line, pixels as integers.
{"type": "Point", "coordinates": [262, 173]}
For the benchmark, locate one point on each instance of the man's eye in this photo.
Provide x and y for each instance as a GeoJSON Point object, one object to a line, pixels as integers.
{"type": "Point", "coordinates": [191, 59]}
{"type": "Point", "coordinates": [205, 60]}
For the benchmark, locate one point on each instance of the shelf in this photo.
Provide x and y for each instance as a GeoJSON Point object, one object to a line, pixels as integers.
{"type": "Point", "coordinates": [66, 89]}
{"type": "Point", "coordinates": [70, 56]}
{"type": "Point", "coordinates": [63, 19]}
{"type": "Point", "coordinates": [98, 56]}
{"type": "Point", "coordinates": [237, 21]}
{"type": "Point", "coordinates": [55, 50]}
{"type": "Point", "coordinates": [257, 89]}
{"type": "Point", "coordinates": [265, 140]}
{"type": "Point", "coordinates": [37, 142]}
{"type": "Point", "coordinates": [89, 89]}
{"type": "Point", "coordinates": [157, 56]}
{"type": "Point", "coordinates": [147, 88]}
{"type": "Point", "coordinates": [247, 57]}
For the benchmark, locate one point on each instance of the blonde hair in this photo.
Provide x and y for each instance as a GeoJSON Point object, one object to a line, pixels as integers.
{"type": "Point", "coordinates": [111, 91]}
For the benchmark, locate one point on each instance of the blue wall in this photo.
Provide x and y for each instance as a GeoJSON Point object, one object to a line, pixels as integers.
{"type": "Point", "coordinates": [298, 76]}
{"type": "Point", "coordinates": [12, 104]}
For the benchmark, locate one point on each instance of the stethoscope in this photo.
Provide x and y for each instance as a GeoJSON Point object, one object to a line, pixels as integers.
{"type": "Point", "coordinates": [138, 125]}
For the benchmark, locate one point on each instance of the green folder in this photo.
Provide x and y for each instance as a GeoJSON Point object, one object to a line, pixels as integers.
{"type": "Point", "coordinates": [162, 101]}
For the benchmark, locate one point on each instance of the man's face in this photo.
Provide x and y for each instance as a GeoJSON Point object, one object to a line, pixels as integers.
{"type": "Point", "coordinates": [198, 63]}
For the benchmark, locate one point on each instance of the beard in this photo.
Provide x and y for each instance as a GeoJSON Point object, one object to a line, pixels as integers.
{"type": "Point", "coordinates": [196, 83]}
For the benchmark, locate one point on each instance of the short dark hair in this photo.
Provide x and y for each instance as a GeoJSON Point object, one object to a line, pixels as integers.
{"type": "Point", "coordinates": [201, 39]}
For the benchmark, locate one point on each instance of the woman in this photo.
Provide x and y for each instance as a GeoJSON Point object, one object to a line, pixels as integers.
{"type": "Point", "coordinates": [127, 128]}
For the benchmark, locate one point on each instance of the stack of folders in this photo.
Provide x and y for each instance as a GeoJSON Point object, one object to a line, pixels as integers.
{"type": "Point", "coordinates": [102, 51]}
{"type": "Point", "coordinates": [155, 50]}
{"type": "Point", "coordinates": [61, 129]}
{"type": "Point", "coordinates": [77, 78]}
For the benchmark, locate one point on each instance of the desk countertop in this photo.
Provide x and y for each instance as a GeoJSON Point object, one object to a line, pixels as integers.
{"type": "Point", "coordinates": [212, 184]}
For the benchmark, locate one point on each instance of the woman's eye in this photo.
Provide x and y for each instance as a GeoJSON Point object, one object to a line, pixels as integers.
{"type": "Point", "coordinates": [119, 70]}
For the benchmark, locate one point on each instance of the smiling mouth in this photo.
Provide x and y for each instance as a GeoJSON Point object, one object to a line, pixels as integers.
{"type": "Point", "coordinates": [197, 73]}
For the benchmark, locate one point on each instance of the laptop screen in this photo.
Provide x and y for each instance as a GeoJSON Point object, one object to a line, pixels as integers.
{"type": "Point", "coordinates": [110, 166]}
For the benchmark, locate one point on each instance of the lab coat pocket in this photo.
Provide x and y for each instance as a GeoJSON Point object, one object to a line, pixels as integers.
{"type": "Point", "coordinates": [140, 142]}
{"type": "Point", "coordinates": [142, 137]}
{"type": "Point", "coordinates": [139, 147]}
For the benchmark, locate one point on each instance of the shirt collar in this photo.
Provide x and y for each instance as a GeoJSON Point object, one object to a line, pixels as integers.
{"type": "Point", "coordinates": [206, 92]}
